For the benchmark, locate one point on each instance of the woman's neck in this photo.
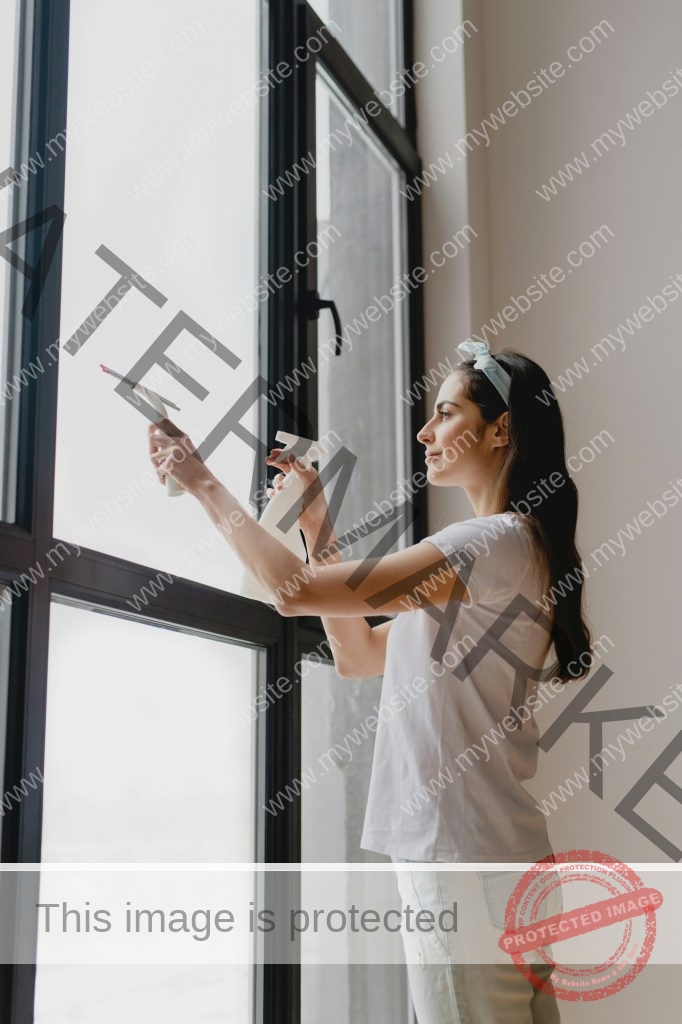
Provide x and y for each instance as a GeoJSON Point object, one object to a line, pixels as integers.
{"type": "Point", "coordinates": [484, 499]}
{"type": "Point", "coordinates": [485, 493]}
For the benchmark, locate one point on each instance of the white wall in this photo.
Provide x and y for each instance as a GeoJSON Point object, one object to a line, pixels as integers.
{"type": "Point", "coordinates": [634, 394]}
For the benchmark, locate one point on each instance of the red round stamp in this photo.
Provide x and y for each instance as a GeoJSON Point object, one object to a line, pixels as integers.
{"type": "Point", "coordinates": [618, 928]}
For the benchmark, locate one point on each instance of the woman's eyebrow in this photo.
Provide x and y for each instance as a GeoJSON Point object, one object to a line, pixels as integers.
{"type": "Point", "coordinates": [445, 401]}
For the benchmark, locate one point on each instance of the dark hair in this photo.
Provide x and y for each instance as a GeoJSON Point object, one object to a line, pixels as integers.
{"type": "Point", "coordinates": [536, 450]}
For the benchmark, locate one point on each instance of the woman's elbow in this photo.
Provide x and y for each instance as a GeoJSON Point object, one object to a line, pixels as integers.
{"type": "Point", "coordinates": [344, 670]}
{"type": "Point", "coordinates": [303, 601]}
{"type": "Point", "coordinates": [287, 608]}
{"type": "Point", "coordinates": [292, 605]}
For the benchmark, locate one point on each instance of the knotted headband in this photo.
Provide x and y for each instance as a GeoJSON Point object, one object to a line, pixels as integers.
{"type": "Point", "coordinates": [486, 362]}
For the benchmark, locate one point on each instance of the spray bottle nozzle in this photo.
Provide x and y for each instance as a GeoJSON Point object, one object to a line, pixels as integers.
{"type": "Point", "coordinates": [303, 448]}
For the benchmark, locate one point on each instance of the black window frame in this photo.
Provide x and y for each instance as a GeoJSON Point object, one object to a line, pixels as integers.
{"type": "Point", "coordinates": [288, 334]}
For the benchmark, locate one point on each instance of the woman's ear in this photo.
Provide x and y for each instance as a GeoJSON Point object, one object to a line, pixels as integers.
{"type": "Point", "coordinates": [501, 432]}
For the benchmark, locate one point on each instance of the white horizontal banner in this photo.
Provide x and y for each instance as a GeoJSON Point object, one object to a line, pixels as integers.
{"type": "Point", "coordinates": [340, 914]}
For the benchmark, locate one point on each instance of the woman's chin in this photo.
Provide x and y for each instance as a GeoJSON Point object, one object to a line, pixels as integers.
{"type": "Point", "coordinates": [434, 474]}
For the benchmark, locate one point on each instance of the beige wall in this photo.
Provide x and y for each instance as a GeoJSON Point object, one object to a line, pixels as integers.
{"type": "Point", "coordinates": [634, 394]}
{"type": "Point", "coordinates": [457, 294]}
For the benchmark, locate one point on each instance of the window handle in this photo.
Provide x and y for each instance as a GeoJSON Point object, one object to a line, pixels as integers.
{"type": "Point", "coordinates": [315, 304]}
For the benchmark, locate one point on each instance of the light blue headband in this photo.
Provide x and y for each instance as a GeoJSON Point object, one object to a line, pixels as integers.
{"type": "Point", "coordinates": [485, 361]}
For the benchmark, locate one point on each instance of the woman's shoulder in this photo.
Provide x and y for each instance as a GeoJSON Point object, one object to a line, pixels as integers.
{"type": "Point", "coordinates": [499, 550]}
{"type": "Point", "coordinates": [488, 529]}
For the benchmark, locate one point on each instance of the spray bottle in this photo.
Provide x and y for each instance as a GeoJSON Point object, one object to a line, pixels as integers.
{"type": "Point", "coordinates": [282, 501]}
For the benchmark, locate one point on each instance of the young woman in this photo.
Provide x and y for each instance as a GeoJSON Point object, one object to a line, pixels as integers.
{"type": "Point", "coordinates": [461, 663]}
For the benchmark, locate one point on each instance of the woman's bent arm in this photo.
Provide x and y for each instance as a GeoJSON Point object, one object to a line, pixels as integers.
{"type": "Point", "coordinates": [395, 582]}
{"type": "Point", "coordinates": [359, 649]}
{"type": "Point", "coordinates": [378, 585]}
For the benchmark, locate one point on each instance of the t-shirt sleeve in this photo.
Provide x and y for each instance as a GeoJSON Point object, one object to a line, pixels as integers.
{"type": "Point", "coordinates": [491, 555]}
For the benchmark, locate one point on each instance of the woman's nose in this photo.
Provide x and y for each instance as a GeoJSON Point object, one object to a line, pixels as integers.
{"type": "Point", "coordinates": [424, 434]}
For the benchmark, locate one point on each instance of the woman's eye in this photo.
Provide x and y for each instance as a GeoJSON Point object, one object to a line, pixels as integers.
{"type": "Point", "coordinates": [444, 414]}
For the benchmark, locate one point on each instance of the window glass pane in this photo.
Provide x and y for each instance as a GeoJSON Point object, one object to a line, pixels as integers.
{"type": "Point", "coordinates": [142, 762]}
{"type": "Point", "coordinates": [333, 810]}
{"type": "Point", "coordinates": [8, 162]}
{"type": "Point", "coordinates": [144, 994]}
{"type": "Point", "coordinates": [347, 993]}
{"type": "Point", "coordinates": [372, 35]}
{"type": "Point", "coordinates": [358, 203]}
{"type": "Point", "coordinates": [335, 714]}
{"type": "Point", "coordinates": [162, 170]}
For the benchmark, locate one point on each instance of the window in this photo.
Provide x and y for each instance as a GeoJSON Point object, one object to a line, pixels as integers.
{"type": "Point", "coordinates": [5, 623]}
{"type": "Point", "coordinates": [175, 995]}
{"type": "Point", "coordinates": [333, 718]}
{"type": "Point", "coordinates": [372, 35]}
{"type": "Point", "coordinates": [133, 650]}
{"type": "Point", "coordinates": [185, 789]}
{"type": "Point", "coordinates": [9, 205]}
{"type": "Point", "coordinates": [151, 174]}
{"type": "Point", "coordinates": [359, 211]}
{"type": "Point", "coordinates": [336, 750]}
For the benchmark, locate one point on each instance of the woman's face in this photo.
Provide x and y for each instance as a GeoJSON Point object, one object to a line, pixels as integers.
{"type": "Point", "coordinates": [457, 439]}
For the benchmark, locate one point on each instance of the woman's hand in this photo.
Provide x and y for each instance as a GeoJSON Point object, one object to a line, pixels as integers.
{"type": "Point", "coordinates": [312, 517]}
{"type": "Point", "coordinates": [173, 454]}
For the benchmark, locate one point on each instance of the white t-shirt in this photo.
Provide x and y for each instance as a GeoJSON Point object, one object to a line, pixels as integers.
{"type": "Point", "coordinates": [433, 795]}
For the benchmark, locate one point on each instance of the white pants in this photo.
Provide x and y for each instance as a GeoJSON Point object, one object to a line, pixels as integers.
{"type": "Point", "coordinates": [462, 976]}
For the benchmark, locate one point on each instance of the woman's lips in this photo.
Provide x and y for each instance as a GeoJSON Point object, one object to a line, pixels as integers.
{"type": "Point", "coordinates": [431, 457]}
